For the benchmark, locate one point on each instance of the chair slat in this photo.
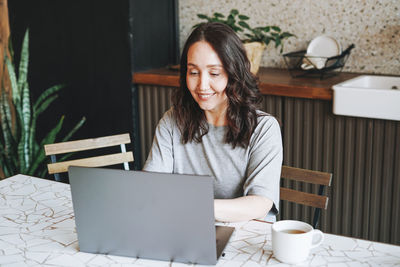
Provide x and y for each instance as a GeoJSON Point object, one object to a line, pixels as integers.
{"type": "Point", "coordinates": [86, 144]}
{"type": "Point", "coordinates": [308, 176]}
{"type": "Point", "coordinates": [304, 198]}
{"type": "Point", "coordinates": [99, 161]}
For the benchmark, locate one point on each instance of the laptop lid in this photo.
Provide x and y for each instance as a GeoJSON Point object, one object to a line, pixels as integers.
{"type": "Point", "coordinates": [144, 214]}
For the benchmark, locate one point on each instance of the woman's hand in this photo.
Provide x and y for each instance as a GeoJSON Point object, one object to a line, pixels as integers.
{"type": "Point", "coordinates": [241, 209]}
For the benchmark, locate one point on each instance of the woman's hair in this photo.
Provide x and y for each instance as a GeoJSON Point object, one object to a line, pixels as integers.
{"type": "Point", "coordinates": [242, 89]}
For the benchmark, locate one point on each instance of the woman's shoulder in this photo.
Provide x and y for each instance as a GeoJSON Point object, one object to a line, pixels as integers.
{"type": "Point", "coordinates": [168, 119]}
{"type": "Point", "coordinates": [264, 119]}
{"type": "Point", "coordinates": [267, 127]}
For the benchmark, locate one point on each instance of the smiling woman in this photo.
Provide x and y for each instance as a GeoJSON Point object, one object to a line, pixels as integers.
{"type": "Point", "coordinates": [214, 128]}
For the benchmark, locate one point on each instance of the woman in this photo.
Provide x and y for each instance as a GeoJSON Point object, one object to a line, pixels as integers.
{"type": "Point", "coordinates": [215, 129]}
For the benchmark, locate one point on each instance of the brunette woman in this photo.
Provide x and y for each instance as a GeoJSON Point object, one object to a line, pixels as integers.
{"type": "Point", "coordinates": [214, 128]}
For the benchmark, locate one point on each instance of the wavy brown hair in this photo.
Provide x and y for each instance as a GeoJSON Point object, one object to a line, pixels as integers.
{"type": "Point", "coordinates": [242, 89]}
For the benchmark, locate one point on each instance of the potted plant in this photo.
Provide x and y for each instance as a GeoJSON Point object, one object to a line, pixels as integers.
{"type": "Point", "coordinates": [256, 39]}
{"type": "Point", "coordinates": [20, 152]}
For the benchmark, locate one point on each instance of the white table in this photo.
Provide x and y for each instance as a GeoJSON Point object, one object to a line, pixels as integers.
{"type": "Point", "coordinates": [37, 228]}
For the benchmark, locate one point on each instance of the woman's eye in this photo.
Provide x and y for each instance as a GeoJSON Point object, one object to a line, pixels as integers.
{"type": "Point", "coordinates": [215, 74]}
{"type": "Point", "coordinates": [193, 73]}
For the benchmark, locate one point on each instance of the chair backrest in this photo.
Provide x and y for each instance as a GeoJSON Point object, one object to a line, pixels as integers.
{"type": "Point", "coordinates": [318, 201]}
{"type": "Point", "coordinates": [87, 144]}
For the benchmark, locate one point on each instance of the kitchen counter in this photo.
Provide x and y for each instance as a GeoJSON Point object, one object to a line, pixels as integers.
{"type": "Point", "coordinates": [273, 81]}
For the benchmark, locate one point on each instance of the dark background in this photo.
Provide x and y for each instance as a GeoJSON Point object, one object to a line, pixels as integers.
{"type": "Point", "coordinates": [93, 47]}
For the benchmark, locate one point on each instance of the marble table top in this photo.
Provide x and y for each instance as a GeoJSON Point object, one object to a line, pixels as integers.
{"type": "Point", "coordinates": [37, 228]}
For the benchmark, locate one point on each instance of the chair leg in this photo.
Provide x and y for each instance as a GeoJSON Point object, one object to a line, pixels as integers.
{"type": "Point", "coordinates": [57, 177]}
{"type": "Point", "coordinates": [123, 150]}
{"type": "Point", "coordinates": [317, 212]}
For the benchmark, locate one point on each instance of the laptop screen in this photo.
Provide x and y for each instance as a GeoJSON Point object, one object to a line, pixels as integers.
{"type": "Point", "coordinates": [144, 214]}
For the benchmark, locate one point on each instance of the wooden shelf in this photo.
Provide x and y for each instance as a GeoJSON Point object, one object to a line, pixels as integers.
{"type": "Point", "coordinates": [272, 82]}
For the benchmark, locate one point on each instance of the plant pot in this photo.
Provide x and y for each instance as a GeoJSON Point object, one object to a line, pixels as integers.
{"type": "Point", "coordinates": [254, 52]}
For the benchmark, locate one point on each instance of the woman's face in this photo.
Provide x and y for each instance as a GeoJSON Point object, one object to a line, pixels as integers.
{"type": "Point", "coordinates": [206, 78]}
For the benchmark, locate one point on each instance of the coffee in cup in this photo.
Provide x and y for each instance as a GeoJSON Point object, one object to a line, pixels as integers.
{"type": "Point", "coordinates": [293, 240]}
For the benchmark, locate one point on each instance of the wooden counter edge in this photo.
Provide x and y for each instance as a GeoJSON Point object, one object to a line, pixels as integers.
{"type": "Point", "coordinates": [156, 79]}
{"type": "Point", "coordinates": [296, 91]}
{"type": "Point", "coordinates": [265, 88]}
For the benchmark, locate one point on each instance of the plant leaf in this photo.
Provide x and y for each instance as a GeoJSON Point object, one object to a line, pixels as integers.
{"type": "Point", "coordinates": [72, 132]}
{"type": "Point", "coordinates": [286, 35]}
{"type": "Point", "coordinates": [51, 136]}
{"type": "Point", "coordinates": [244, 24]}
{"type": "Point", "coordinates": [243, 17]}
{"type": "Point", "coordinates": [47, 93]}
{"type": "Point", "coordinates": [234, 12]}
{"type": "Point", "coordinates": [5, 119]}
{"type": "Point", "coordinates": [276, 28]}
{"type": "Point", "coordinates": [202, 16]}
{"type": "Point", "coordinates": [15, 90]}
{"type": "Point", "coordinates": [26, 115]}
{"type": "Point", "coordinates": [218, 15]}
{"type": "Point", "coordinates": [23, 63]}
{"type": "Point", "coordinates": [44, 105]}
{"type": "Point", "coordinates": [277, 42]}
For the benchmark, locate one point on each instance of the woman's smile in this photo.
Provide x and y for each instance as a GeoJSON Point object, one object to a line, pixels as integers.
{"type": "Point", "coordinates": [205, 96]}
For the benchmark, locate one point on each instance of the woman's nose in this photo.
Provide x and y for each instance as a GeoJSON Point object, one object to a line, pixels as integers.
{"type": "Point", "coordinates": [204, 82]}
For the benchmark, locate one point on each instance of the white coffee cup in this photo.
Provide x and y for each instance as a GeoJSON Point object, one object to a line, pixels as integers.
{"type": "Point", "coordinates": [293, 240]}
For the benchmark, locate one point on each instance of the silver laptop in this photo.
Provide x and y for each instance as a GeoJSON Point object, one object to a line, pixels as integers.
{"type": "Point", "coordinates": [147, 215]}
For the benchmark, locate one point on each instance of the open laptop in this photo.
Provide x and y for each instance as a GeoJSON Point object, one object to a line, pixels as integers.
{"type": "Point", "coordinates": [147, 215]}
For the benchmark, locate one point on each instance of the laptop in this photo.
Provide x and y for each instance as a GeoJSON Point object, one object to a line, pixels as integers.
{"type": "Point", "coordinates": [147, 215]}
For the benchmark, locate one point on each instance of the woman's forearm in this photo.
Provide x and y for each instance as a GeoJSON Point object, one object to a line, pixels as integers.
{"type": "Point", "coordinates": [242, 208]}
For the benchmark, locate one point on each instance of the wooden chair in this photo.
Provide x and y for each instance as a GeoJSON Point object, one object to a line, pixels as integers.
{"type": "Point", "coordinates": [318, 201]}
{"type": "Point", "coordinates": [87, 144]}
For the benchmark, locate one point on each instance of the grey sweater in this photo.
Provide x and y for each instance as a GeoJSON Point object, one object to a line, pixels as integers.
{"type": "Point", "coordinates": [254, 170]}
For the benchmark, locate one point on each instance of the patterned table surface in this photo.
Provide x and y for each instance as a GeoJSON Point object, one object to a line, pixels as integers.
{"type": "Point", "coordinates": [37, 228]}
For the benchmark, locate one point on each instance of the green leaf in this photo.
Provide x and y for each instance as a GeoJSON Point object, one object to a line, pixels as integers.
{"type": "Point", "coordinates": [47, 93]}
{"type": "Point", "coordinates": [43, 173]}
{"type": "Point", "coordinates": [26, 115]}
{"type": "Point", "coordinates": [244, 24]}
{"type": "Point", "coordinates": [197, 25]}
{"type": "Point", "coordinates": [243, 17]}
{"type": "Point", "coordinates": [38, 158]}
{"type": "Point", "coordinates": [23, 64]}
{"type": "Point", "coordinates": [234, 12]}
{"type": "Point", "coordinates": [276, 28]}
{"type": "Point", "coordinates": [218, 15]}
{"type": "Point", "coordinates": [267, 29]}
{"type": "Point", "coordinates": [15, 90]}
{"type": "Point", "coordinates": [202, 16]}
{"type": "Point", "coordinates": [72, 132]}
{"type": "Point", "coordinates": [43, 106]}
{"type": "Point", "coordinates": [65, 157]}
{"type": "Point", "coordinates": [277, 42]}
{"type": "Point", "coordinates": [5, 117]}
{"type": "Point", "coordinates": [286, 35]}
{"type": "Point", "coordinates": [36, 113]}
{"type": "Point", "coordinates": [52, 135]}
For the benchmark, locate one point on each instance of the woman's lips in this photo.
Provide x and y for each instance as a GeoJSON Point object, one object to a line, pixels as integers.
{"type": "Point", "coordinates": [205, 96]}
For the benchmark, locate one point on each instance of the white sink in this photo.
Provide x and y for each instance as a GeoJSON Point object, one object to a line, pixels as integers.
{"type": "Point", "coordinates": [368, 96]}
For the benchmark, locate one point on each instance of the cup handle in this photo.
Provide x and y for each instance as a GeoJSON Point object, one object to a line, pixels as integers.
{"type": "Point", "coordinates": [319, 240]}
